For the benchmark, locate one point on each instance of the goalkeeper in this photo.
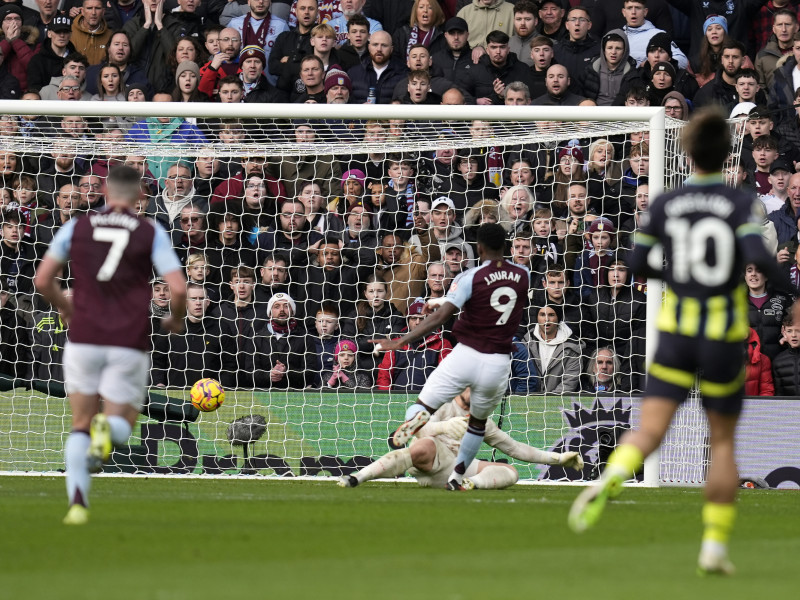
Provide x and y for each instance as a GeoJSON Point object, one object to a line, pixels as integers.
{"type": "Point", "coordinates": [432, 454]}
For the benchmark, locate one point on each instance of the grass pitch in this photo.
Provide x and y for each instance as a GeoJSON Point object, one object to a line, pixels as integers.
{"type": "Point", "coordinates": [192, 539]}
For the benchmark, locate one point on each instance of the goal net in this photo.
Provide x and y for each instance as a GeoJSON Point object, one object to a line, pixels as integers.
{"type": "Point", "coordinates": [355, 214]}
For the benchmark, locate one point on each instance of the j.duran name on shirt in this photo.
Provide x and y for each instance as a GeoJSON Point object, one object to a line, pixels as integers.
{"type": "Point", "coordinates": [501, 276]}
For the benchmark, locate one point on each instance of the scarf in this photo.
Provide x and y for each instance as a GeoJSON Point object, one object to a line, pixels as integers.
{"type": "Point", "coordinates": [259, 37]}
{"type": "Point", "coordinates": [339, 375]}
{"type": "Point", "coordinates": [281, 330]}
{"type": "Point", "coordinates": [414, 39]}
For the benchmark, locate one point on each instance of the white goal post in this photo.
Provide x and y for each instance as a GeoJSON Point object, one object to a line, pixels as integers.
{"type": "Point", "coordinates": [518, 124]}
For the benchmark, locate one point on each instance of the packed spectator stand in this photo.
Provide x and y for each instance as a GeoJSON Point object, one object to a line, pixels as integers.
{"type": "Point", "coordinates": [296, 263]}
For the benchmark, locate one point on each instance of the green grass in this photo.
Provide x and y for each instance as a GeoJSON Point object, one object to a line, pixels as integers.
{"type": "Point", "coordinates": [189, 539]}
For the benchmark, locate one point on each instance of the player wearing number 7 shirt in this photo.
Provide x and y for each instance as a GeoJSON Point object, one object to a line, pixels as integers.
{"type": "Point", "coordinates": [113, 254]}
{"type": "Point", "coordinates": [492, 298]}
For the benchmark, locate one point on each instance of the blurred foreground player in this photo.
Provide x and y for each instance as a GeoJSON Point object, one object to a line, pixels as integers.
{"type": "Point", "coordinates": [432, 454]}
{"type": "Point", "coordinates": [112, 254]}
{"type": "Point", "coordinates": [492, 298]}
{"type": "Point", "coordinates": [708, 232]}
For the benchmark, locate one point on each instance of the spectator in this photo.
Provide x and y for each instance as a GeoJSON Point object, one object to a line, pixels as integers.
{"type": "Point", "coordinates": [234, 188]}
{"type": "Point", "coordinates": [591, 268]}
{"type": "Point", "coordinates": [350, 9]}
{"type": "Point", "coordinates": [197, 272]}
{"type": "Point", "coordinates": [496, 69]}
{"type": "Point", "coordinates": [557, 83]}
{"type": "Point", "coordinates": [603, 374]}
{"type": "Point", "coordinates": [16, 258]}
{"type": "Point", "coordinates": [775, 198]}
{"type": "Point", "coordinates": [659, 49]}
{"type": "Point", "coordinates": [551, 20]}
{"type": "Point", "coordinates": [67, 201]}
{"type": "Point", "coordinates": [337, 86]}
{"type": "Point", "coordinates": [226, 244]}
{"type": "Point", "coordinates": [407, 369]}
{"type": "Point", "coordinates": [109, 85]}
{"type": "Point", "coordinates": [189, 237]}
{"type": "Point", "coordinates": [310, 193]}
{"type": "Point", "coordinates": [526, 19]}
{"type": "Point", "coordinates": [721, 89]}
{"type": "Point", "coordinates": [453, 61]}
{"type": "Point", "coordinates": [257, 28]}
{"type": "Point", "coordinates": [402, 267]}
{"type": "Point", "coordinates": [180, 359]}
{"type": "Point", "coordinates": [608, 73]}
{"type": "Point", "coordinates": [59, 168]}
{"type": "Point", "coordinates": [516, 209]}
{"type": "Point", "coordinates": [578, 48]}
{"type": "Point", "coordinates": [292, 234]}
{"type": "Point", "coordinates": [782, 91]}
{"type": "Point", "coordinates": [786, 365]}
{"type": "Point", "coordinates": [766, 309]}
{"type": "Point", "coordinates": [152, 41]}
{"type": "Point", "coordinates": [274, 278]}
{"type": "Point", "coordinates": [640, 31]}
{"type": "Point", "coordinates": [92, 193]}
{"type": "Point", "coordinates": [618, 310]}
{"type": "Point", "coordinates": [178, 192]}
{"type": "Point", "coordinates": [374, 316]}
{"type": "Point", "coordinates": [541, 52]}
{"type": "Point", "coordinates": [119, 12]}
{"type": "Point", "coordinates": [785, 219]}
{"type": "Point", "coordinates": [442, 231]}
{"type": "Point", "coordinates": [240, 319]}
{"type": "Point", "coordinates": [172, 131]}
{"type": "Point", "coordinates": [47, 63]}
{"type": "Point", "coordinates": [284, 356]}
{"type": "Point", "coordinates": [468, 186]}
{"type": "Point", "coordinates": [355, 48]}
{"type": "Point", "coordinates": [424, 29]}
{"type": "Point", "coordinates": [73, 66]}
{"type": "Point", "coordinates": [376, 78]}
{"type": "Point", "coordinates": [292, 45]}
{"type": "Point", "coordinates": [324, 343]}
{"type": "Point", "coordinates": [328, 278]}
{"type": "Point", "coordinates": [345, 374]}
{"type": "Point", "coordinates": [784, 27]}
{"type": "Point", "coordinates": [765, 152]}
{"type": "Point", "coordinates": [19, 43]}
{"type": "Point", "coordinates": [90, 33]}
{"type": "Point", "coordinates": [545, 247]}
{"type": "Point", "coordinates": [312, 81]}
{"type": "Point", "coordinates": [758, 369]}
{"type": "Point", "coordinates": [485, 16]}
{"type": "Point", "coordinates": [392, 15]}
{"type": "Point", "coordinates": [556, 355]}
{"type": "Point", "coordinates": [224, 63]}
{"type": "Point", "coordinates": [419, 59]}
{"type": "Point", "coordinates": [607, 15]}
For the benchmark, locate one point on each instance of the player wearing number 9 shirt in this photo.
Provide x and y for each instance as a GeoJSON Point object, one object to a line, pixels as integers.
{"type": "Point", "coordinates": [708, 232]}
{"type": "Point", "coordinates": [113, 254]}
{"type": "Point", "coordinates": [491, 298]}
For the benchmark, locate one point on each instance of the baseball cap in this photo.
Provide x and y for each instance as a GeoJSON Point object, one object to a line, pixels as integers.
{"type": "Point", "coordinates": [780, 165]}
{"type": "Point", "coordinates": [443, 200]}
{"type": "Point", "coordinates": [742, 109]}
{"type": "Point", "coordinates": [455, 24]}
{"type": "Point", "coordinates": [60, 23]}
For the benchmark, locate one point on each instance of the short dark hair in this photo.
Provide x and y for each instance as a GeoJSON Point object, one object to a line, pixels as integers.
{"type": "Point", "coordinates": [526, 6]}
{"type": "Point", "coordinates": [637, 91]}
{"type": "Point", "coordinates": [243, 272]}
{"type": "Point", "coordinates": [275, 257]}
{"type": "Point", "coordinates": [765, 142]}
{"type": "Point", "coordinates": [497, 37]}
{"type": "Point", "coordinates": [75, 57]}
{"type": "Point", "coordinates": [11, 215]}
{"type": "Point", "coordinates": [707, 139]}
{"type": "Point", "coordinates": [732, 44]}
{"type": "Point", "coordinates": [541, 40]}
{"type": "Point", "coordinates": [492, 236]}
{"type": "Point", "coordinates": [581, 8]}
{"type": "Point", "coordinates": [357, 20]}
{"type": "Point", "coordinates": [746, 73]}
{"type": "Point", "coordinates": [232, 79]}
{"type": "Point", "coordinates": [784, 12]}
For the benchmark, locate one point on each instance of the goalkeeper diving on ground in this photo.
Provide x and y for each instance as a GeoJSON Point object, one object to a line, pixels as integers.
{"type": "Point", "coordinates": [432, 454]}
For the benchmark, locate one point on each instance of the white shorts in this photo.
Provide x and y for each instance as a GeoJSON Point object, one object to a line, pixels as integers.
{"type": "Point", "coordinates": [118, 374]}
{"type": "Point", "coordinates": [485, 374]}
{"type": "Point", "coordinates": [443, 464]}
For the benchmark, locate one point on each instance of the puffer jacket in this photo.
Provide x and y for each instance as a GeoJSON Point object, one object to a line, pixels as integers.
{"type": "Point", "coordinates": [758, 370]}
{"type": "Point", "coordinates": [767, 322]}
{"type": "Point", "coordinates": [786, 372]}
{"type": "Point", "coordinates": [17, 55]}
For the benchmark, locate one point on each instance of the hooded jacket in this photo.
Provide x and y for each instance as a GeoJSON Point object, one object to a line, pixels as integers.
{"type": "Point", "coordinates": [600, 83]}
{"type": "Point", "coordinates": [558, 361]}
{"type": "Point", "coordinates": [758, 369]}
{"type": "Point", "coordinates": [92, 44]}
{"type": "Point", "coordinates": [639, 37]}
{"type": "Point", "coordinates": [482, 20]}
{"type": "Point", "coordinates": [45, 64]}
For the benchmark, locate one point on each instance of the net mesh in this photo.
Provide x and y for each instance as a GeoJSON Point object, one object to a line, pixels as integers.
{"type": "Point", "coordinates": [293, 406]}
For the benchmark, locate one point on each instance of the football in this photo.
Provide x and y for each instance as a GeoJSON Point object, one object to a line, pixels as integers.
{"type": "Point", "coordinates": [207, 394]}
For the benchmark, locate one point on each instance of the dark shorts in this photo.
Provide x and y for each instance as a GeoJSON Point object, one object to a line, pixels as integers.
{"type": "Point", "coordinates": [717, 368]}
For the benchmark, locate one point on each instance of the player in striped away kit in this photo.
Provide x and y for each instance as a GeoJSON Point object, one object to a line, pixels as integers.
{"type": "Point", "coordinates": [491, 298]}
{"type": "Point", "coordinates": [708, 232]}
{"type": "Point", "coordinates": [112, 254]}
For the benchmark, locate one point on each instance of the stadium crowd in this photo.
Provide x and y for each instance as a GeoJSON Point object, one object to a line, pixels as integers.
{"type": "Point", "coordinates": [295, 263]}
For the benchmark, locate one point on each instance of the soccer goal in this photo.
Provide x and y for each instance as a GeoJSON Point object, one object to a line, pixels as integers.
{"type": "Point", "coordinates": [545, 173]}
